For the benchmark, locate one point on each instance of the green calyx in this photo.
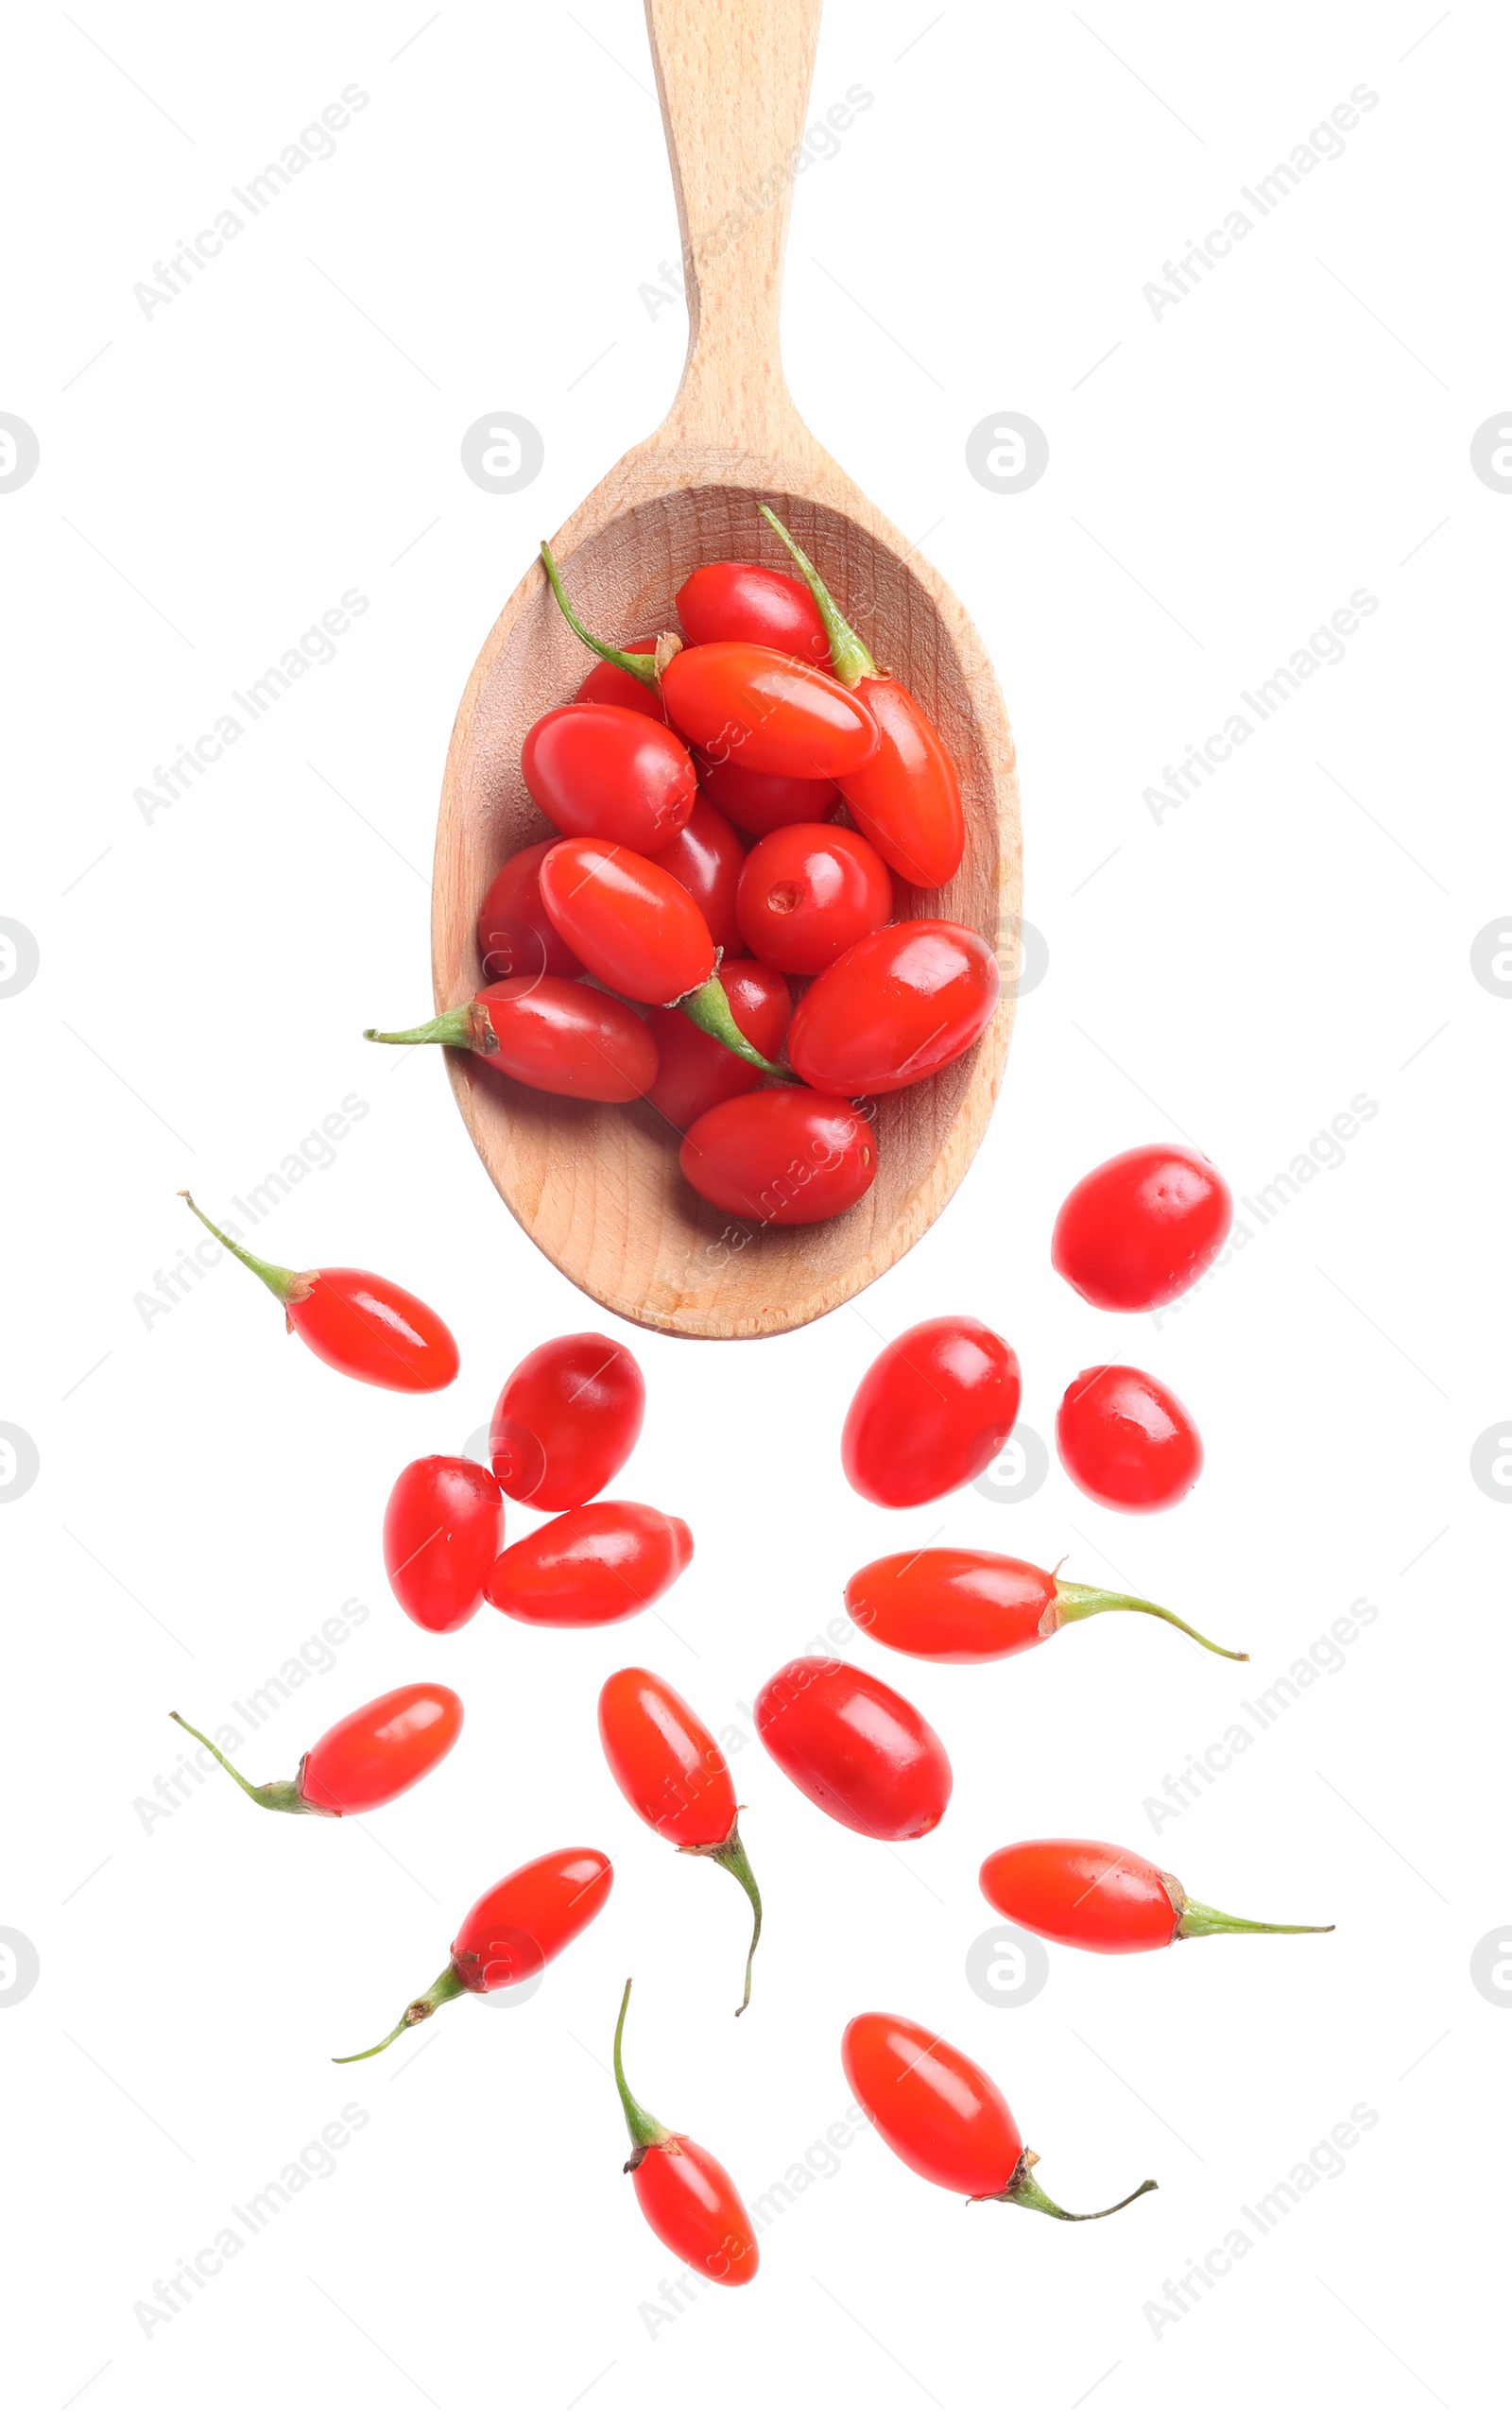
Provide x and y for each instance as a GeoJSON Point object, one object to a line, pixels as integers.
{"type": "Point", "coordinates": [286, 1797]}
{"type": "Point", "coordinates": [645, 2131]}
{"type": "Point", "coordinates": [1195, 1917]}
{"type": "Point", "coordinates": [850, 656]}
{"type": "Point", "coordinates": [1074, 1601]}
{"type": "Point", "coordinates": [709, 1007]}
{"type": "Point", "coordinates": [290, 1286]}
{"type": "Point", "coordinates": [730, 1855]}
{"type": "Point", "coordinates": [1022, 2189]}
{"type": "Point", "coordinates": [467, 1028]}
{"type": "Point", "coordinates": [446, 1988]}
{"type": "Point", "coordinates": [645, 668]}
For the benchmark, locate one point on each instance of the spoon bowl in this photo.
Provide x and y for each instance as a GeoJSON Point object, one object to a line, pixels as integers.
{"type": "Point", "coordinates": [598, 1188]}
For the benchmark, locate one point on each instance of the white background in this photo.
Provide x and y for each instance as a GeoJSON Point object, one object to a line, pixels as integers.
{"type": "Point", "coordinates": [212, 478]}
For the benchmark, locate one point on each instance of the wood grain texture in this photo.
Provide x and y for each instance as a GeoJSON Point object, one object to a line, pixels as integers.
{"type": "Point", "coordinates": [598, 1188]}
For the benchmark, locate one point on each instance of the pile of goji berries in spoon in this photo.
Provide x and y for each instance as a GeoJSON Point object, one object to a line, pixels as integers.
{"type": "Point", "coordinates": [650, 953]}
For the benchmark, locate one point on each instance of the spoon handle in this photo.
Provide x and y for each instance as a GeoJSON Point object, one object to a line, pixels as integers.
{"type": "Point", "coordinates": [734, 78]}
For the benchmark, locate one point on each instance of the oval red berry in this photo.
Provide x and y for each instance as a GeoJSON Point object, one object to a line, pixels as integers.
{"type": "Point", "coordinates": [1126, 1441]}
{"type": "Point", "coordinates": [1142, 1229]}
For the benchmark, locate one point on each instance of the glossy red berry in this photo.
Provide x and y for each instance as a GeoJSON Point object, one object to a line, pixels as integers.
{"type": "Point", "coordinates": [965, 1605]}
{"type": "Point", "coordinates": [807, 892]}
{"type": "Point", "coordinates": [1093, 1897]}
{"type": "Point", "coordinates": [856, 1747]}
{"type": "Point", "coordinates": [673, 1772]}
{"type": "Point", "coordinates": [515, 935]}
{"type": "Point", "coordinates": [609, 775]}
{"type": "Point", "coordinates": [366, 1758]}
{"type": "Point", "coordinates": [1140, 1229]}
{"type": "Point", "coordinates": [511, 1935]}
{"type": "Point", "coordinates": [906, 797]}
{"type": "Point", "coordinates": [443, 1528]}
{"type": "Point", "coordinates": [610, 685]}
{"type": "Point", "coordinates": [630, 922]}
{"type": "Point", "coordinates": [666, 1760]}
{"type": "Point", "coordinates": [383, 1749]}
{"type": "Point", "coordinates": [769, 712]}
{"type": "Point", "coordinates": [706, 858]}
{"type": "Point", "coordinates": [760, 803]}
{"type": "Point", "coordinates": [931, 2106]}
{"type": "Point", "coordinates": [943, 2116]}
{"type": "Point", "coordinates": [566, 1418]}
{"type": "Point", "coordinates": [696, 1070]}
{"type": "Point", "coordinates": [687, 2198]}
{"type": "Point", "coordinates": [549, 1033]}
{"type": "Point", "coordinates": [936, 1407]}
{"type": "Point", "coordinates": [752, 601]}
{"type": "Point", "coordinates": [365, 1327]}
{"type": "Point", "coordinates": [1126, 1440]}
{"type": "Point", "coordinates": [599, 1564]}
{"type": "Point", "coordinates": [780, 1158]}
{"type": "Point", "coordinates": [894, 1008]}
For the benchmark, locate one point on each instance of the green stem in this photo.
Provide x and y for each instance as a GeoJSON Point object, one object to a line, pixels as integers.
{"type": "Point", "coordinates": [644, 667]}
{"type": "Point", "coordinates": [446, 1988]}
{"type": "Point", "coordinates": [644, 2131]}
{"type": "Point", "coordinates": [711, 1012]}
{"type": "Point", "coordinates": [1197, 1918]}
{"type": "Point", "coordinates": [730, 1855]}
{"type": "Point", "coordinates": [290, 1286]}
{"type": "Point", "coordinates": [850, 656]}
{"type": "Point", "coordinates": [1074, 1601]}
{"type": "Point", "coordinates": [467, 1028]}
{"type": "Point", "coordinates": [286, 1797]}
{"type": "Point", "coordinates": [1021, 2189]}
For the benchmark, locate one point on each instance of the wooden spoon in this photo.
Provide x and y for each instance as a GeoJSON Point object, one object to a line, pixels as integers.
{"type": "Point", "coordinates": [600, 1188]}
